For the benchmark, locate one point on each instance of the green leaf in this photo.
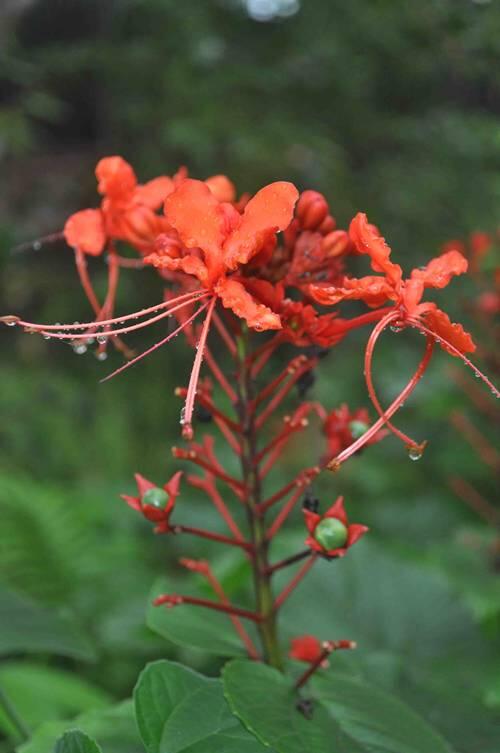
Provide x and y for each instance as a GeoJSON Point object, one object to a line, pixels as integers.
{"type": "Point", "coordinates": [76, 741]}
{"type": "Point", "coordinates": [39, 693]}
{"type": "Point", "coordinates": [114, 730]}
{"type": "Point", "coordinates": [179, 710]}
{"type": "Point", "coordinates": [376, 719]}
{"type": "Point", "coordinates": [27, 627]}
{"type": "Point", "coordinates": [266, 703]}
{"type": "Point", "coordinates": [192, 626]}
{"type": "Point", "coordinates": [366, 597]}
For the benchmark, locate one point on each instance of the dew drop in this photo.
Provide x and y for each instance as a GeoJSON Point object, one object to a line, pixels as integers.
{"type": "Point", "coordinates": [101, 355]}
{"type": "Point", "coordinates": [46, 336]}
{"type": "Point", "coordinates": [101, 339]}
{"type": "Point", "coordinates": [37, 245]}
{"type": "Point", "coordinates": [415, 453]}
{"type": "Point", "coordinates": [182, 419]}
{"type": "Point", "coordinates": [80, 349]}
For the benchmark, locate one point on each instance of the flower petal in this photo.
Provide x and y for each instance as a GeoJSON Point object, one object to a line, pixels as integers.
{"type": "Point", "coordinates": [115, 177]}
{"type": "Point", "coordinates": [133, 502]}
{"type": "Point", "coordinates": [172, 486]}
{"type": "Point", "coordinates": [143, 484]}
{"type": "Point", "coordinates": [199, 218]}
{"type": "Point", "coordinates": [373, 290]}
{"type": "Point", "coordinates": [337, 511]}
{"type": "Point", "coordinates": [270, 210]}
{"type": "Point", "coordinates": [446, 330]}
{"type": "Point", "coordinates": [85, 230]}
{"type": "Point", "coordinates": [355, 532]}
{"type": "Point", "coordinates": [234, 296]}
{"type": "Point", "coordinates": [154, 192]}
{"type": "Point", "coordinates": [222, 188]}
{"type": "Point", "coordinates": [439, 271]}
{"type": "Point", "coordinates": [311, 520]}
{"type": "Point", "coordinates": [368, 241]}
{"type": "Point", "coordinates": [190, 265]}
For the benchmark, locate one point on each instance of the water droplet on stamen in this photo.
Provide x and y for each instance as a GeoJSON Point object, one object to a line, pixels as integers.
{"type": "Point", "coordinates": [46, 336]}
{"type": "Point", "coordinates": [415, 453]}
{"type": "Point", "coordinates": [37, 245]}
{"type": "Point", "coordinates": [182, 419]}
{"type": "Point", "coordinates": [101, 355]}
{"type": "Point", "coordinates": [80, 349]}
{"type": "Point", "coordinates": [101, 339]}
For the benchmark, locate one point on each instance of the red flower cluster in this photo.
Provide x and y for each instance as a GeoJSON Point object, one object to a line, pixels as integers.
{"type": "Point", "coordinates": [268, 260]}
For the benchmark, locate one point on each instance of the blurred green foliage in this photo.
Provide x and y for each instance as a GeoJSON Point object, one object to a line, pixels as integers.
{"type": "Point", "coordinates": [386, 107]}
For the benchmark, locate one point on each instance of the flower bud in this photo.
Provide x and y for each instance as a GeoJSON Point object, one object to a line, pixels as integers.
{"type": "Point", "coordinates": [312, 208]}
{"type": "Point", "coordinates": [155, 497]}
{"type": "Point", "coordinates": [331, 533]}
{"type": "Point", "coordinates": [335, 243]}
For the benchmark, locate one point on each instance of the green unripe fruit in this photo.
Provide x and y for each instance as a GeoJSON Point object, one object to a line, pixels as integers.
{"type": "Point", "coordinates": [358, 428]}
{"type": "Point", "coordinates": [155, 497]}
{"type": "Point", "coordinates": [330, 533]}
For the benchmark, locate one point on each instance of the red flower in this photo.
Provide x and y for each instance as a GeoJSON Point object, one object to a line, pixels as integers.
{"type": "Point", "coordinates": [375, 290]}
{"type": "Point", "coordinates": [342, 427]}
{"type": "Point", "coordinates": [127, 210]}
{"type": "Point", "coordinates": [331, 534]}
{"type": "Point", "coordinates": [306, 648]}
{"type": "Point", "coordinates": [155, 503]}
{"type": "Point", "coordinates": [219, 240]}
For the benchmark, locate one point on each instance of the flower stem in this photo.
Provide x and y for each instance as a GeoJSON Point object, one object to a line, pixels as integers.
{"type": "Point", "coordinates": [262, 580]}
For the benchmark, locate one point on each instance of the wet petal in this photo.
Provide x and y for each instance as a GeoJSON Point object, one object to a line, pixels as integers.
{"type": "Point", "coordinates": [154, 192]}
{"type": "Point", "coordinates": [367, 240]}
{"type": "Point", "coordinates": [439, 271]}
{"type": "Point", "coordinates": [234, 296]}
{"type": "Point", "coordinates": [85, 230]}
{"type": "Point", "coordinates": [222, 188]}
{"type": "Point", "coordinates": [373, 290]}
{"type": "Point", "coordinates": [115, 177]}
{"type": "Point", "coordinates": [270, 210]}
{"type": "Point", "coordinates": [439, 322]}
{"type": "Point", "coordinates": [311, 520]}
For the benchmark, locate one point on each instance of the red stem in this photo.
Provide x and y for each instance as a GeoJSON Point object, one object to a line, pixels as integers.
{"type": "Point", "coordinates": [213, 536]}
{"type": "Point", "coordinates": [283, 596]}
{"type": "Point", "coordinates": [284, 513]}
{"type": "Point", "coordinates": [174, 600]}
{"type": "Point", "coordinates": [221, 507]}
{"type": "Point", "coordinates": [283, 392]}
{"type": "Point", "coordinates": [289, 561]}
{"type": "Point", "coordinates": [328, 647]}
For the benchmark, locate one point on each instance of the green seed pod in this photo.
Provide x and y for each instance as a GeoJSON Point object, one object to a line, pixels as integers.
{"type": "Point", "coordinates": [155, 497]}
{"type": "Point", "coordinates": [330, 533]}
{"type": "Point", "coordinates": [358, 428]}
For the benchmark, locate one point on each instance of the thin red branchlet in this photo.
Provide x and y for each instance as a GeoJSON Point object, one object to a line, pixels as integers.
{"type": "Point", "coordinates": [261, 269]}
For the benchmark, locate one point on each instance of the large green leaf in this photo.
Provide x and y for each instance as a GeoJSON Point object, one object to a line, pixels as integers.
{"type": "Point", "coordinates": [383, 603]}
{"type": "Point", "coordinates": [194, 627]}
{"type": "Point", "coordinates": [114, 730]}
{"type": "Point", "coordinates": [39, 693]}
{"type": "Point", "coordinates": [266, 703]}
{"type": "Point", "coordinates": [377, 720]}
{"type": "Point", "coordinates": [180, 711]}
{"type": "Point", "coordinates": [76, 741]}
{"type": "Point", "coordinates": [27, 627]}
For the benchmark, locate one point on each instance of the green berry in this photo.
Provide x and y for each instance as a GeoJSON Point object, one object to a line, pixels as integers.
{"type": "Point", "coordinates": [330, 533]}
{"type": "Point", "coordinates": [155, 497]}
{"type": "Point", "coordinates": [358, 428]}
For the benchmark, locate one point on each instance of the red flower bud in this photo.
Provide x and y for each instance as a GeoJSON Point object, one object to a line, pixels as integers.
{"type": "Point", "coordinates": [312, 209]}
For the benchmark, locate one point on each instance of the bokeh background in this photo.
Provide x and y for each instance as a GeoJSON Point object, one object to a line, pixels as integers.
{"type": "Point", "coordinates": [387, 107]}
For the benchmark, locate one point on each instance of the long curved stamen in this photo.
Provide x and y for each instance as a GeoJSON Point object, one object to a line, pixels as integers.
{"type": "Point", "coordinates": [377, 331]}
{"type": "Point", "coordinates": [123, 330]}
{"type": "Point", "coordinates": [335, 464]}
{"type": "Point", "coordinates": [187, 415]}
{"type": "Point", "coordinates": [88, 289]}
{"type": "Point", "coordinates": [437, 338]}
{"type": "Point", "coordinates": [156, 345]}
{"type": "Point", "coordinates": [195, 295]}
